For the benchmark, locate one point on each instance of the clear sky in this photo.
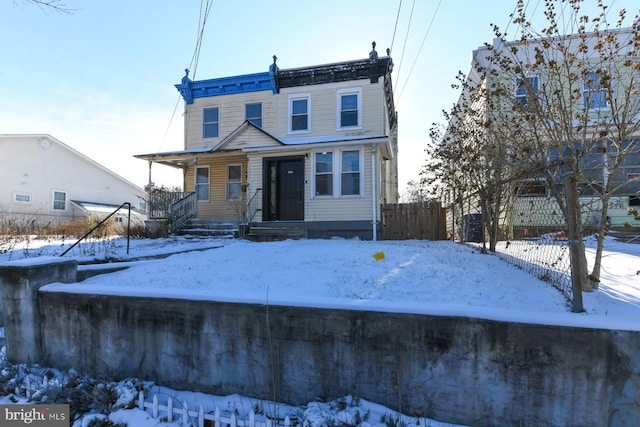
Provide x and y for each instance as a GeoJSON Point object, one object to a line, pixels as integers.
{"type": "Point", "coordinates": [101, 79]}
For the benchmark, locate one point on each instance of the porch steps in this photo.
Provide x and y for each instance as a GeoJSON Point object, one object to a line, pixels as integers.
{"type": "Point", "coordinates": [272, 234]}
{"type": "Point", "coordinates": [207, 228]}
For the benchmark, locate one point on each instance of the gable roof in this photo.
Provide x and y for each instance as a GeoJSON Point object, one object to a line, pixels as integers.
{"type": "Point", "coordinates": [44, 138]}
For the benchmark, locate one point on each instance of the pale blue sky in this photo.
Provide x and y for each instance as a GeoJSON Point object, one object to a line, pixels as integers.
{"type": "Point", "coordinates": [102, 79]}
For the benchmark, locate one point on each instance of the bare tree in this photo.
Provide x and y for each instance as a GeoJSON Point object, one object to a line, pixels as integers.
{"type": "Point", "coordinates": [562, 104]}
{"type": "Point", "coordinates": [58, 6]}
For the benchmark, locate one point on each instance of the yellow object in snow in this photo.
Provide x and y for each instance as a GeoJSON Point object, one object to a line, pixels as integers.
{"type": "Point", "coordinates": [378, 256]}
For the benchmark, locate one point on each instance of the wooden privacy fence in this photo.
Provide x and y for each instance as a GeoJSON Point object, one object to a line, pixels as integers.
{"type": "Point", "coordinates": [420, 221]}
{"type": "Point", "coordinates": [198, 417]}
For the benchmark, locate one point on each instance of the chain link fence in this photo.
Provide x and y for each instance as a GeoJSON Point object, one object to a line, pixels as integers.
{"type": "Point", "coordinates": [533, 232]}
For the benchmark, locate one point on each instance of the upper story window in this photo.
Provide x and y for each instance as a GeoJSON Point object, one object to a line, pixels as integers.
{"type": "Point", "coordinates": [234, 182]}
{"type": "Point", "coordinates": [299, 113]}
{"type": "Point", "coordinates": [202, 183]}
{"type": "Point", "coordinates": [253, 113]}
{"type": "Point", "coordinates": [211, 122]}
{"type": "Point", "coordinates": [59, 201]}
{"type": "Point", "coordinates": [338, 173]}
{"type": "Point", "coordinates": [526, 90]}
{"type": "Point", "coordinates": [594, 95]}
{"type": "Point", "coordinates": [349, 108]}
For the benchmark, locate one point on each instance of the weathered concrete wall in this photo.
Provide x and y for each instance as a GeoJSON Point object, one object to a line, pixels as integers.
{"type": "Point", "coordinates": [20, 282]}
{"type": "Point", "coordinates": [461, 370]}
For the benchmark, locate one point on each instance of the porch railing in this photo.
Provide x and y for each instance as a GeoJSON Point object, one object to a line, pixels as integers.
{"type": "Point", "coordinates": [182, 211]}
{"type": "Point", "coordinates": [159, 204]}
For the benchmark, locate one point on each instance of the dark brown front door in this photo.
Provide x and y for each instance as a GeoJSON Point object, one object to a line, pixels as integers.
{"type": "Point", "coordinates": [284, 189]}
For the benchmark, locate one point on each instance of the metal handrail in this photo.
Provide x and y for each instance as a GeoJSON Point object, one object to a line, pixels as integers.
{"type": "Point", "coordinates": [182, 211]}
{"type": "Point", "coordinates": [101, 223]}
{"type": "Point", "coordinates": [251, 208]}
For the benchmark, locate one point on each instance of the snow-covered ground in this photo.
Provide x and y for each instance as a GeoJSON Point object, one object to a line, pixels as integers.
{"type": "Point", "coordinates": [400, 276]}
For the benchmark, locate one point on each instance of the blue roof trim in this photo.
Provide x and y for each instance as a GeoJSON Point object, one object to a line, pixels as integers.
{"type": "Point", "coordinates": [191, 90]}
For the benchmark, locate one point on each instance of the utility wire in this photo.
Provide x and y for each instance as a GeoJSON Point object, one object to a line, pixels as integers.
{"type": "Point", "coordinates": [395, 27]}
{"type": "Point", "coordinates": [202, 20]}
{"type": "Point", "coordinates": [424, 39]}
{"type": "Point", "coordinates": [405, 41]}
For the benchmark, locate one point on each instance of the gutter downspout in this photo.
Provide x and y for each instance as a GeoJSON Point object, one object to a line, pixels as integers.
{"type": "Point", "coordinates": [374, 213]}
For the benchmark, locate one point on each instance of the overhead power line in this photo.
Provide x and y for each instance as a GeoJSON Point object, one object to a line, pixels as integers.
{"type": "Point", "coordinates": [424, 39]}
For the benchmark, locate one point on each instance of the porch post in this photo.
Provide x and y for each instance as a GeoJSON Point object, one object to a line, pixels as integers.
{"type": "Point", "coordinates": [374, 201]}
{"type": "Point", "coordinates": [150, 182]}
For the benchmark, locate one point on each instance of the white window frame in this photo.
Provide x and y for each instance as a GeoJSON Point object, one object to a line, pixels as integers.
{"type": "Point", "coordinates": [196, 185]}
{"type": "Point", "coordinates": [332, 173]}
{"type": "Point", "coordinates": [53, 201]}
{"type": "Point", "coordinates": [339, 94]}
{"type": "Point", "coordinates": [360, 172]}
{"type": "Point", "coordinates": [22, 195]}
{"type": "Point", "coordinates": [251, 119]}
{"type": "Point", "coordinates": [210, 107]}
{"type": "Point", "coordinates": [229, 183]}
{"type": "Point", "coordinates": [298, 97]}
{"type": "Point", "coordinates": [337, 173]}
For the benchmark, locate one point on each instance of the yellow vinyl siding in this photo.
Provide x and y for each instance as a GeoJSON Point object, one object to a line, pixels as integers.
{"type": "Point", "coordinates": [231, 116]}
{"type": "Point", "coordinates": [324, 112]}
{"type": "Point", "coordinates": [349, 208]}
{"type": "Point", "coordinates": [217, 207]}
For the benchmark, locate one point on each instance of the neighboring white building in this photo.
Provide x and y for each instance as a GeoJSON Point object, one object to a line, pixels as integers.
{"type": "Point", "coordinates": [44, 182]}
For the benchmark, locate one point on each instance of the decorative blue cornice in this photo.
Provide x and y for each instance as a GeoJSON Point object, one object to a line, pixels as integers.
{"type": "Point", "coordinates": [191, 90]}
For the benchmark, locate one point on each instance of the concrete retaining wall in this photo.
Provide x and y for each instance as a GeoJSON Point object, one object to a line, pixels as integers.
{"type": "Point", "coordinates": [461, 370]}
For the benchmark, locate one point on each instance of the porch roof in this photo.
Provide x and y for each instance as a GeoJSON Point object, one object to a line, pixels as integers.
{"type": "Point", "coordinates": [180, 159]}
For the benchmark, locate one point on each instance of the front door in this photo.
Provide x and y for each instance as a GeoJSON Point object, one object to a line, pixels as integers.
{"type": "Point", "coordinates": [284, 189]}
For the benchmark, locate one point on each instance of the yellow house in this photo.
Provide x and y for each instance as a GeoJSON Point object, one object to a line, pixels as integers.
{"type": "Point", "coordinates": [313, 148]}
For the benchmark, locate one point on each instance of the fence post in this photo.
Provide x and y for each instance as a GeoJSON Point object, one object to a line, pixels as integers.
{"type": "Point", "coordinates": [19, 284]}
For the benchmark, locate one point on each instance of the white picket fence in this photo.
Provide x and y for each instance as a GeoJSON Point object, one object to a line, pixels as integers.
{"type": "Point", "coordinates": [197, 416]}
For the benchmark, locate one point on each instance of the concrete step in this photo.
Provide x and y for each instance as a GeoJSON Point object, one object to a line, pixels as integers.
{"type": "Point", "coordinates": [272, 234]}
{"type": "Point", "coordinates": [207, 228]}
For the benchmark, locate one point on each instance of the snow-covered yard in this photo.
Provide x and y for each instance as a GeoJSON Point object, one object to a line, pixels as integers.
{"type": "Point", "coordinates": [400, 276]}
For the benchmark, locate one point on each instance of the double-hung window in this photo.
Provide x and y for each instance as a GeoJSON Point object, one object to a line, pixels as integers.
{"type": "Point", "coordinates": [593, 94]}
{"type": "Point", "coordinates": [337, 173]}
{"type": "Point", "coordinates": [299, 113]}
{"type": "Point", "coordinates": [211, 122]}
{"type": "Point", "coordinates": [324, 174]}
{"type": "Point", "coordinates": [59, 201]}
{"type": "Point", "coordinates": [202, 183]}
{"type": "Point", "coordinates": [349, 108]}
{"type": "Point", "coordinates": [253, 113]}
{"type": "Point", "coordinates": [526, 89]}
{"type": "Point", "coordinates": [234, 182]}
{"type": "Point", "coordinates": [350, 173]}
